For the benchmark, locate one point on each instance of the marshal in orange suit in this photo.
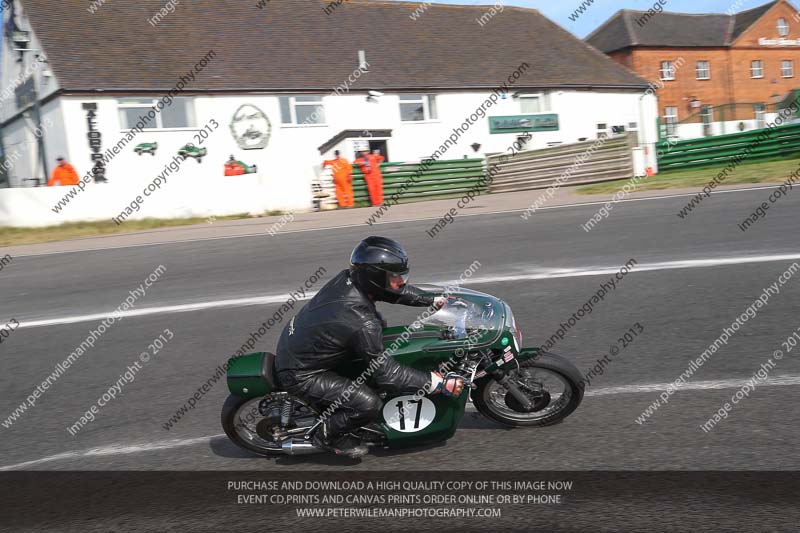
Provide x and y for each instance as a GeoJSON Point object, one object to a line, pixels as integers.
{"type": "Point", "coordinates": [342, 178]}
{"type": "Point", "coordinates": [370, 165]}
{"type": "Point", "coordinates": [63, 174]}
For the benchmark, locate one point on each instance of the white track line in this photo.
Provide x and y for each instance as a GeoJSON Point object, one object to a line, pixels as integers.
{"type": "Point", "coordinates": [696, 385]}
{"type": "Point", "coordinates": [642, 267]}
{"type": "Point", "coordinates": [115, 449]}
{"type": "Point", "coordinates": [530, 275]}
{"type": "Point", "coordinates": [180, 308]}
{"type": "Point", "coordinates": [404, 221]}
{"type": "Point", "coordinates": [125, 449]}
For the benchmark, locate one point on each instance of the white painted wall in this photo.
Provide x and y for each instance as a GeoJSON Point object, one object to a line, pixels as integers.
{"type": "Point", "coordinates": [291, 160]}
{"type": "Point", "coordinates": [183, 195]}
{"type": "Point", "coordinates": [695, 130]}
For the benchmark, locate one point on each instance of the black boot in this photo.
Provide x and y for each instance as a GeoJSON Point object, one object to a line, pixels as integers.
{"type": "Point", "coordinates": [340, 445]}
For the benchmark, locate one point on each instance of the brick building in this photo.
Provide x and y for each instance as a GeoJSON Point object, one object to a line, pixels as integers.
{"type": "Point", "coordinates": [714, 73]}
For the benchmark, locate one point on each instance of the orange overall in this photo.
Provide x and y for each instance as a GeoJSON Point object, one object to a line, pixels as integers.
{"type": "Point", "coordinates": [372, 175]}
{"type": "Point", "coordinates": [63, 174]}
{"type": "Point", "coordinates": [343, 179]}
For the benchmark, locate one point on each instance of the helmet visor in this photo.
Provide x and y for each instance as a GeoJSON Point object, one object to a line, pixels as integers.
{"type": "Point", "coordinates": [395, 282]}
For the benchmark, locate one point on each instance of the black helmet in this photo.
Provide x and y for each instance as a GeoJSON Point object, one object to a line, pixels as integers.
{"type": "Point", "coordinates": [375, 263]}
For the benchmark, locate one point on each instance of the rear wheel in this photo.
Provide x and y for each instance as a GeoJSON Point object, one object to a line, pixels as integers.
{"type": "Point", "coordinates": [255, 423]}
{"type": "Point", "coordinates": [248, 428]}
{"type": "Point", "coordinates": [549, 381]}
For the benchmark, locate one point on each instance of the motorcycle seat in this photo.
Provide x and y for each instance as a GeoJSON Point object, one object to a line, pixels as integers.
{"type": "Point", "coordinates": [268, 370]}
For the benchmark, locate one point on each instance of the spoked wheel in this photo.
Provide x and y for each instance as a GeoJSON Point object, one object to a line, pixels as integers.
{"type": "Point", "coordinates": [550, 382]}
{"type": "Point", "coordinates": [255, 423]}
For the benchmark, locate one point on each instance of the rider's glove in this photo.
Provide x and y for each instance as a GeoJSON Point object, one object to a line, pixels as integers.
{"type": "Point", "coordinates": [450, 385]}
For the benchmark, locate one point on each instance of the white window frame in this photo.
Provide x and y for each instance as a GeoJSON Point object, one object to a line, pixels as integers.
{"type": "Point", "coordinates": [783, 27]}
{"type": "Point", "coordinates": [707, 70]}
{"type": "Point", "coordinates": [671, 126]}
{"type": "Point", "coordinates": [760, 69]}
{"type": "Point", "coordinates": [707, 119]}
{"type": "Point", "coordinates": [293, 103]}
{"type": "Point", "coordinates": [760, 111]}
{"type": "Point", "coordinates": [544, 102]}
{"type": "Point", "coordinates": [425, 99]}
{"type": "Point", "coordinates": [667, 71]}
{"type": "Point", "coordinates": [190, 112]}
{"type": "Point", "coordinates": [790, 63]}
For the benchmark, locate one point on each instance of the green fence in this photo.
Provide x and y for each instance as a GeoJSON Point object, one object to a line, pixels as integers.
{"type": "Point", "coordinates": [441, 179]}
{"type": "Point", "coordinates": [783, 141]}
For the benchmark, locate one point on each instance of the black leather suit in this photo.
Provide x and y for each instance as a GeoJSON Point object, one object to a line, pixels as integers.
{"type": "Point", "coordinates": [341, 322]}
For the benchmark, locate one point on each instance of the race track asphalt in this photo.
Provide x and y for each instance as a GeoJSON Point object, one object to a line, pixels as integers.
{"type": "Point", "coordinates": [693, 278]}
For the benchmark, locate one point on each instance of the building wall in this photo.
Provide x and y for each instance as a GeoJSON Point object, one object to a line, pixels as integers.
{"type": "Point", "coordinates": [13, 73]}
{"type": "Point", "coordinates": [747, 49]}
{"type": "Point", "coordinates": [731, 80]}
{"type": "Point", "coordinates": [685, 87]}
{"type": "Point", "coordinates": [19, 137]}
{"type": "Point", "coordinates": [20, 142]}
{"type": "Point", "coordinates": [291, 157]}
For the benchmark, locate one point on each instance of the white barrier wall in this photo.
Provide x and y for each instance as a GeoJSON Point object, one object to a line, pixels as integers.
{"type": "Point", "coordinates": [183, 195]}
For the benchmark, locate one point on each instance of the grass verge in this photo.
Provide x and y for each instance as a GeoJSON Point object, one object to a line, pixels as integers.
{"type": "Point", "coordinates": [774, 171]}
{"type": "Point", "coordinates": [76, 230]}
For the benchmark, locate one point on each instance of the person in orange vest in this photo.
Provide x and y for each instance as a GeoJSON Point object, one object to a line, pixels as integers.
{"type": "Point", "coordinates": [370, 165]}
{"type": "Point", "coordinates": [343, 179]}
{"type": "Point", "coordinates": [63, 174]}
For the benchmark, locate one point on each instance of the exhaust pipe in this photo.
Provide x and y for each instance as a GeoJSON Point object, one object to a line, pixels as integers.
{"type": "Point", "coordinates": [299, 447]}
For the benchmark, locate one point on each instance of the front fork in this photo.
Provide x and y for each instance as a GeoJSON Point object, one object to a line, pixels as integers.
{"type": "Point", "coordinates": [498, 374]}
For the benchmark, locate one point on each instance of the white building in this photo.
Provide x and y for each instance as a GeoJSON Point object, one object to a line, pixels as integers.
{"type": "Point", "coordinates": [282, 86]}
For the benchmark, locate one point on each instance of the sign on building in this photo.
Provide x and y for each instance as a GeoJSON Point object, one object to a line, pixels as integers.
{"type": "Point", "coordinates": [523, 123]}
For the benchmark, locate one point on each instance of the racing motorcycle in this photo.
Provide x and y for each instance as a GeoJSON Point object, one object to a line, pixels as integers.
{"type": "Point", "coordinates": [474, 335]}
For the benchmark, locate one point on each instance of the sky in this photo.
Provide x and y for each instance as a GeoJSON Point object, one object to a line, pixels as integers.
{"type": "Point", "coordinates": [601, 10]}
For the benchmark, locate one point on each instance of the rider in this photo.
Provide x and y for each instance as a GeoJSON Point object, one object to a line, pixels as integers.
{"type": "Point", "coordinates": [341, 322]}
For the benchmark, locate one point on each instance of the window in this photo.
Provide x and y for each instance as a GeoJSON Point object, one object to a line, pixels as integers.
{"type": "Point", "coordinates": [180, 114]}
{"type": "Point", "coordinates": [671, 120]}
{"type": "Point", "coordinates": [783, 27]}
{"type": "Point", "coordinates": [533, 103]}
{"type": "Point", "coordinates": [302, 110]}
{"type": "Point", "coordinates": [707, 116]}
{"type": "Point", "coordinates": [602, 131]}
{"type": "Point", "coordinates": [703, 70]}
{"type": "Point", "coordinates": [667, 71]}
{"type": "Point", "coordinates": [787, 68]}
{"type": "Point", "coordinates": [757, 69]}
{"type": "Point", "coordinates": [761, 115]}
{"type": "Point", "coordinates": [417, 107]}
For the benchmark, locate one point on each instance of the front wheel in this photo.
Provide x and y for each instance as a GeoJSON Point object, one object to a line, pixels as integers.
{"type": "Point", "coordinates": [550, 382]}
